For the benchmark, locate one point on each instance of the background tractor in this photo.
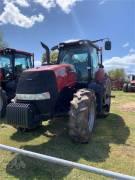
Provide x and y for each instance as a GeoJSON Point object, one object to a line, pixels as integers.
{"type": "Point", "coordinates": [130, 85]}
{"type": "Point", "coordinates": [76, 84]}
{"type": "Point", "coordinates": [12, 63]}
{"type": "Point", "coordinates": [117, 84]}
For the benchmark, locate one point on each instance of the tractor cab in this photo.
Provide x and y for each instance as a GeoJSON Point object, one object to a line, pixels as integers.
{"type": "Point", "coordinates": [13, 63]}
{"type": "Point", "coordinates": [84, 55]}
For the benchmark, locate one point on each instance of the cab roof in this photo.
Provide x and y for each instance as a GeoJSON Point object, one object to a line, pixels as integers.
{"type": "Point", "coordinates": [10, 50]}
{"type": "Point", "coordinates": [75, 42]}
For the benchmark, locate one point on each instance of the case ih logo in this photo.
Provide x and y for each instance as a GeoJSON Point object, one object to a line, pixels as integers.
{"type": "Point", "coordinates": [29, 79]}
{"type": "Point", "coordinates": [61, 72]}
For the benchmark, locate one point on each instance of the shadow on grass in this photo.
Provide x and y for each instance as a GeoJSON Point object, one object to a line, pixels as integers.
{"type": "Point", "coordinates": [21, 136]}
{"type": "Point", "coordinates": [109, 130]}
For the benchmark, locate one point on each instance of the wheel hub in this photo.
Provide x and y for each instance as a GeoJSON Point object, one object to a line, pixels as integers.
{"type": "Point", "coordinates": [91, 117]}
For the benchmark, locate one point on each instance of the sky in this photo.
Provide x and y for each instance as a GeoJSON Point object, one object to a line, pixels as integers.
{"type": "Point", "coordinates": [25, 23]}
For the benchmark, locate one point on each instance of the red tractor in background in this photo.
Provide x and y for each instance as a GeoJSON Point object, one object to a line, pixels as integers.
{"type": "Point", "coordinates": [117, 84]}
{"type": "Point", "coordinates": [12, 63]}
{"type": "Point", "coordinates": [130, 85]}
{"type": "Point", "coordinates": [76, 84]}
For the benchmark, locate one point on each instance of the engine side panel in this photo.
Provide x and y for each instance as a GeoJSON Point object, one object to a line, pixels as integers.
{"type": "Point", "coordinates": [65, 77]}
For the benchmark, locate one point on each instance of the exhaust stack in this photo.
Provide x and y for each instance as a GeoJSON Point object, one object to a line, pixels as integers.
{"type": "Point", "coordinates": [47, 57]}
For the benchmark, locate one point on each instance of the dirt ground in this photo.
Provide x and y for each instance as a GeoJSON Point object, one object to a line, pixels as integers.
{"type": "Point", "coordinates": [128, 107]}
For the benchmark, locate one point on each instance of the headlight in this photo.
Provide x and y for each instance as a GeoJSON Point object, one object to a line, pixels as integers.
{"type": "Point", "coordinates": [31, 97]}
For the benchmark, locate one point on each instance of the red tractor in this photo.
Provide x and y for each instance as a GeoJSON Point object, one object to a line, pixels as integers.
{"type": "Point", "coordinates": [117, 84]}
{"type": "Point", "coordinates": [130, 85]}
{"type": "Point", "coordinates": [76, 84]}
{"type": "Point", "coordinates": [12, 63]}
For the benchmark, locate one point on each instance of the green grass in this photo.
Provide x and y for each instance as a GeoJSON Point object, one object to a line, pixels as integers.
{"type": "Point", "coordinates": [112, 147]}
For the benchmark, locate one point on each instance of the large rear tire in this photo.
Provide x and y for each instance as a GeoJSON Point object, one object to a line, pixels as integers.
{"type": "Point", "coordinates": [129, 88]}
{"type": "Point", "coordinates": [106, 100]}
{"type": "Point", "coordinates": [82, 115]}
{"type": "Point", "coordinates": [3, 103]}
{"type": "Point", "coordinates": [125, 87]}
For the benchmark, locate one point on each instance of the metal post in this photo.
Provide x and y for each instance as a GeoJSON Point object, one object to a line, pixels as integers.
{"type": "Point", "coordinates": [68, 163]}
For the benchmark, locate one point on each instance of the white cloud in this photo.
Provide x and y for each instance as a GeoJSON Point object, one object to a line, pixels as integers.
{"type": "Point", "coordinates": [46, 3]}
{"type": "Point", "coordinates": [125, 45]}
{"type": "Point", "coordinates": [13, 15]}
{"type": "Point", "coordinates": [37, 63]}
{"type": "Point", "coordinates": [65, 5]}
{"type": "Point", "coordinates": [132, 51]}
{"type": "Point", "coordinates": [23, 3]}
{"type": "Point", "coordinates": [101, 2]}
{"type": "Point", "coordinates": [126, 62]}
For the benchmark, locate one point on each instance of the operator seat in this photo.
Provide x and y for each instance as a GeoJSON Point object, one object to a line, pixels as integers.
{"type": "Point", "coordinates": [18, 70]}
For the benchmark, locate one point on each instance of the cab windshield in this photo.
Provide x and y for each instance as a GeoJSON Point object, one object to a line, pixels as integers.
{"type": "Point", "coordinates": [5, 61]}
{"type": "Point", "coordinates": [78, 57]}
{"type": "Point", "coordinates": [15, 63]}
{"type": "Point", "coordinates": [73, 55]}
{"type": "Point", "coordinates": [23, 61]}
{"type": "Point", "coordinates": [20, 60]}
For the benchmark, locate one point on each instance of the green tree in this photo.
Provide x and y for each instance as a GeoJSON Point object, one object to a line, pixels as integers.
{"type": "Point", "coordinates": [2, 42]}
{"type": "Point", "coordinates": [117, 74]}
{"type": "Point", "coordinates": [53, 57]}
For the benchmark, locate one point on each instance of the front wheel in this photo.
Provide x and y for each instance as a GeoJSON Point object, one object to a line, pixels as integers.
{"type": "Point", "coordinates": [3, 103]}
{"type": "Point", "coordinates": [82, 115]}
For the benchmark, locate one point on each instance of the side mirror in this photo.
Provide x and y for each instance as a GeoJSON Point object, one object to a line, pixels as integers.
{"type": "Point", "coordinates": [108, 45]}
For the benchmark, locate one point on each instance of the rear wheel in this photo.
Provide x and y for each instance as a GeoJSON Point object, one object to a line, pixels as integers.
{"type": "Point", "coordinates": [3, 103]}
{"type": "Point", "coordinates": [106, 100]}
{"type": "Point", "coordinates": [82, 115]}
{"type": "Point", "coordinates": [125, 88]}
{"type": "Point", "coordinates": [129, 88]}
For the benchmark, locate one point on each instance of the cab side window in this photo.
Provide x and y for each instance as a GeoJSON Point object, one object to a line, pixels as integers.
{"type": "Point", "coordinates": [94, 61]}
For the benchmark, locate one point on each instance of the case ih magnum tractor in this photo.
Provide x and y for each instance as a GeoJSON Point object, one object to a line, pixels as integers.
{"type": "Point", "coordinates": [12, 63]}
{"type": "Point", "coordinates": [76, 84]}
{"type": "Point", "coordinates": [130, 85]}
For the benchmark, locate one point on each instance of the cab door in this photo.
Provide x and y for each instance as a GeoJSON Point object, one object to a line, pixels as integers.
{"type": "Point", "coordinates": [94, 61]}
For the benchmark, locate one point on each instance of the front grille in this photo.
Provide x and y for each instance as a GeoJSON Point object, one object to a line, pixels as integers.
{"type": "Point", "coordinates": [36, 82]}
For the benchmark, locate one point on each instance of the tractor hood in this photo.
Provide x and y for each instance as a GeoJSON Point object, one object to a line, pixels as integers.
{"type": "Point", "coordinates": [50, 68]}
{"type": "Point", "coordinates": [46, 78]}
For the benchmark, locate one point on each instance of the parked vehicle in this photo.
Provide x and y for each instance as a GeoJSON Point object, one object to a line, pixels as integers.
{"type": "Point", "coordinates": [12, 63]}
{"type": "Point", "coordinates": [77, 84]}
{"type": "Point", "coordinates": [130, 85]}
{"type": "Point", "coordinates": [117, 84]}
